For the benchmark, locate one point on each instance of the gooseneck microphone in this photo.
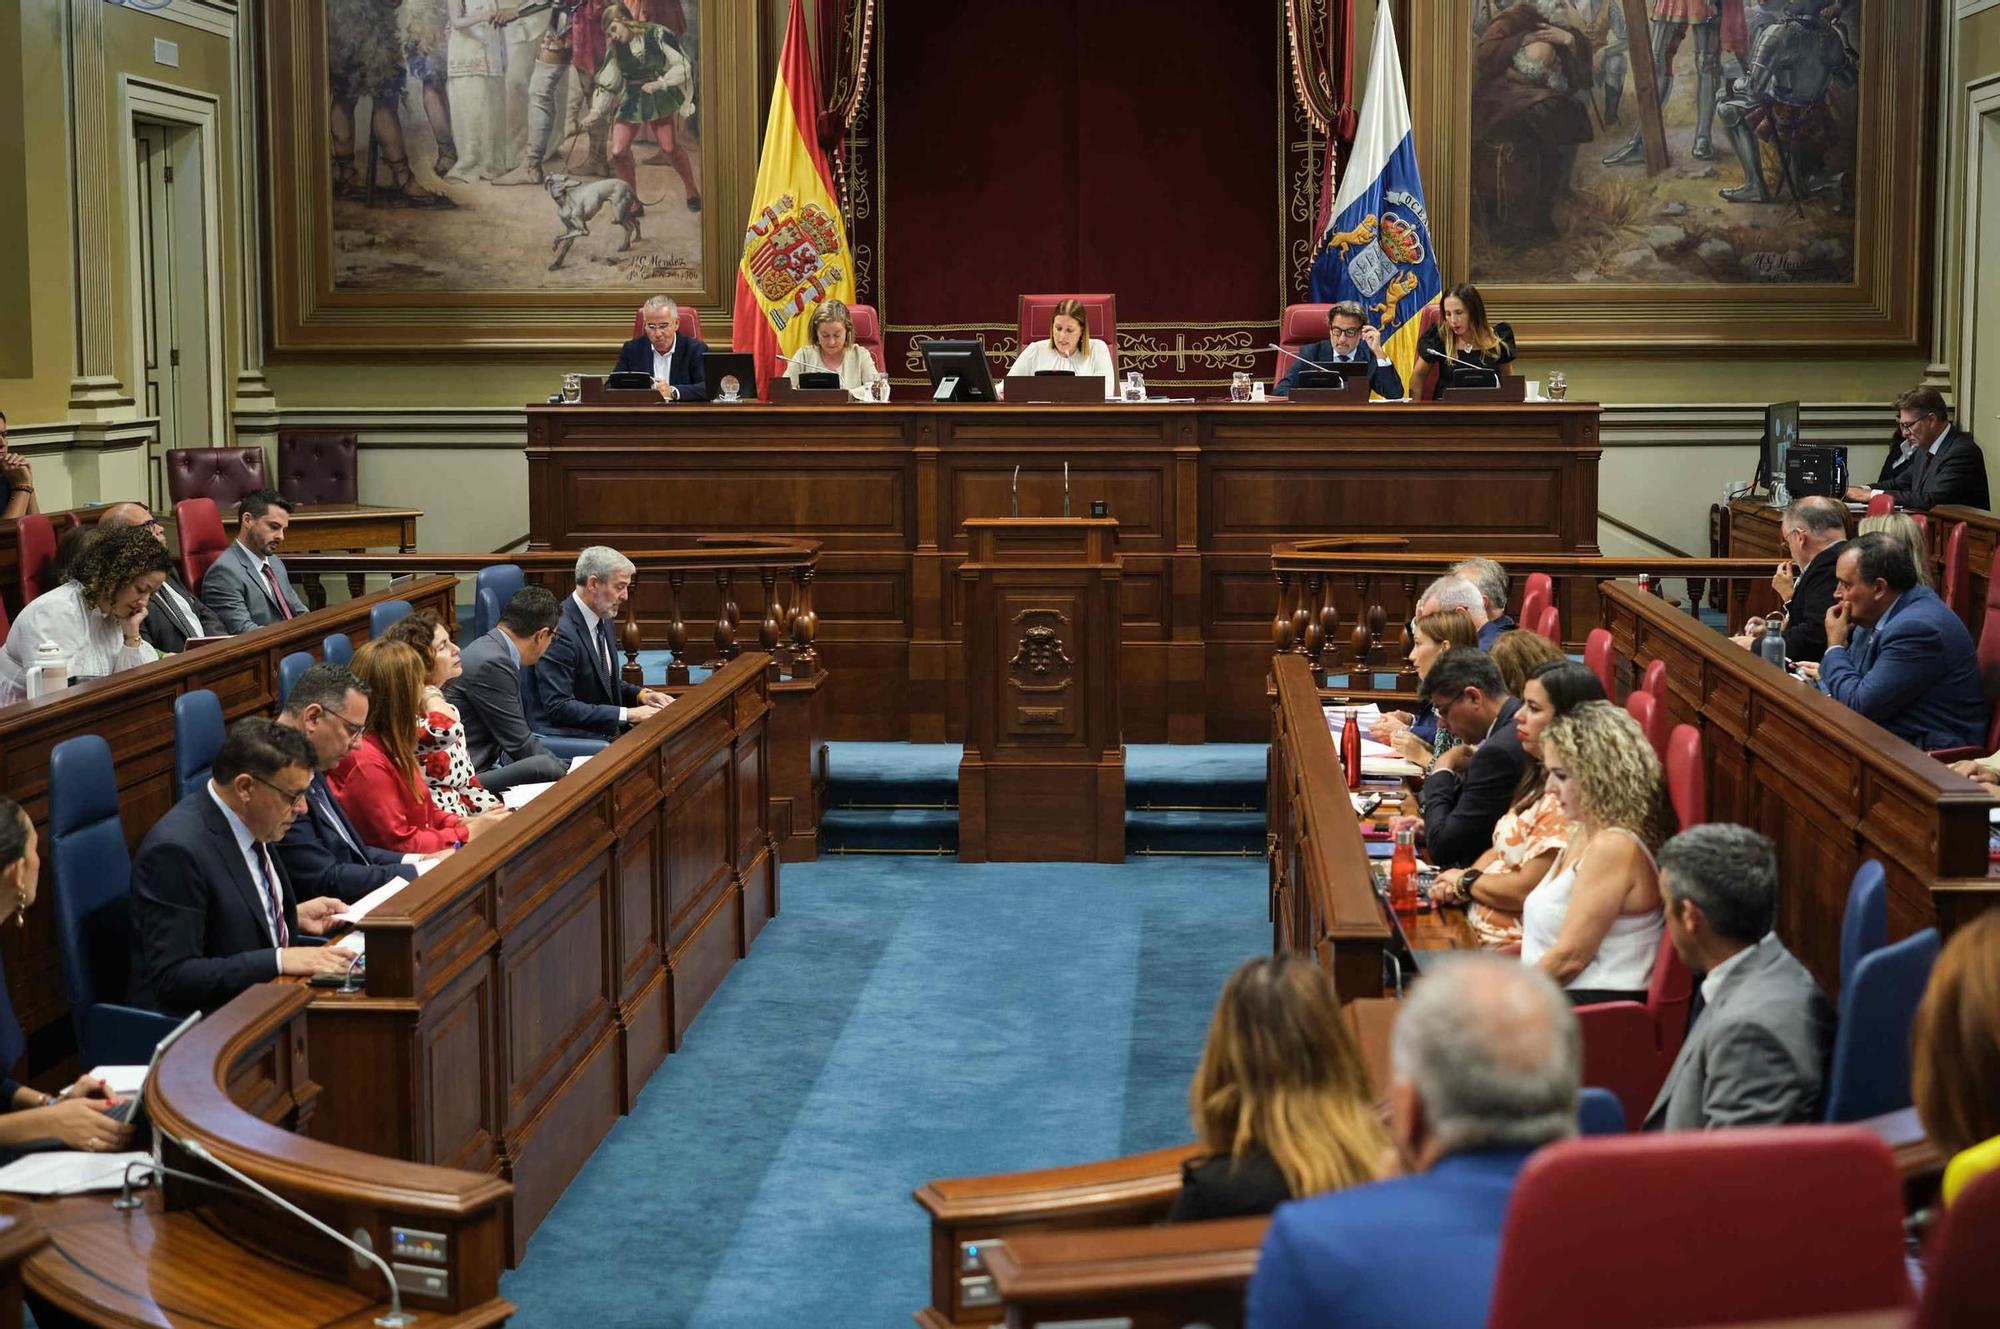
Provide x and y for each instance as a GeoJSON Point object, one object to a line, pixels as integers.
{"type": "Point", "coordinates": [1014, 495]}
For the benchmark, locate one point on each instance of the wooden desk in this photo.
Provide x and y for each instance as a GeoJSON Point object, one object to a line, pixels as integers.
{"type": "Point", "coordinates": [134, 711]}
{"type": "Point", "coordinates": [1135, 1278]}
{"type": "Point", "coordinates": [1831, 788]}
{"type": "Point", "coordinates": [519, 996]}
{"type": "Point", "coordinates": [1200, 493]}
{"type": "Point", "coordinates": [20, 1238]}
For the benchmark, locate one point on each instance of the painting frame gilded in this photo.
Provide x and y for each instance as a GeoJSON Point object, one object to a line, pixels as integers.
{"type": "Point", "coordinates": [308, 317]}
{"type": "Point", "coordinates": [1880, 309]}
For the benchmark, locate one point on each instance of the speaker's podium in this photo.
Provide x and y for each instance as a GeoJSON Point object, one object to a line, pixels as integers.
{"type": "Point", "coordinates": [1043, 775]}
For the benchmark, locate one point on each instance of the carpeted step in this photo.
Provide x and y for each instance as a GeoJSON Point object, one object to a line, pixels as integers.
{"type": "Point", "coordinates": [880, 830]}
{"type": "Point", "coordinates": [1179, 830]}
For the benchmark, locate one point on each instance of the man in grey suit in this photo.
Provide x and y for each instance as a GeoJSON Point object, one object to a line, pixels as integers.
{"type": "Point", "coordinates": [487, 692]}
{"type": "Point", "coordinates": [246, 586]}
{"type": "Point", "coordinates": [1757, 1053]}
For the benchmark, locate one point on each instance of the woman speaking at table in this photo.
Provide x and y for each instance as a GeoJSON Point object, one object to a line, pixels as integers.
{"type": "Point", "coordinates": [1460, 339]}
{"type": "Point", "coordinates": [1069, 348]}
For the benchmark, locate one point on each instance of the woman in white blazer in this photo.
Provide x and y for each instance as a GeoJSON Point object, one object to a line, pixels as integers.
{"type": "Point", "coordinates": [1069, 347]}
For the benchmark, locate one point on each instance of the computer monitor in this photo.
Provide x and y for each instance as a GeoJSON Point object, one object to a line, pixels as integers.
{"type": "Point", "coordinates": [1781, 431]}
{"type": "Point", "coordinates": [958, 370]}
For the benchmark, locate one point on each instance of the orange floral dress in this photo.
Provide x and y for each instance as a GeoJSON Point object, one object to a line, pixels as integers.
{"type": "Point", "coordinates": [1519, 836]}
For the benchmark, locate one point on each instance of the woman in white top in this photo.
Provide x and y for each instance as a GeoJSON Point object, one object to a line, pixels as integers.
{"type": "Point", "coordinates": [93, 618]}
{"type": "Point", "coordinates": [833, 350]}
{"type": "Point", "coordinates": [1069, 347]}
{"type": "Point", "coordinates": [1594, 923]}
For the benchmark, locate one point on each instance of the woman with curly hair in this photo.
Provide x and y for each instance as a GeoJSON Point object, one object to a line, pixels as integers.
{"type": "Point", "coordinates": [441, 750]}
{"type": "Point", "coordinates": [1594, 924]}
{"type": "Point", "coordinates": [1280, 1101]}
{"type": "Point", "coordinates": [95, 616]}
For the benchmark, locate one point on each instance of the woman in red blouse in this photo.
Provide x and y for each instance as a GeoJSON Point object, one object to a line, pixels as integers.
{"type": "Point", "coordinates": [381, 783]}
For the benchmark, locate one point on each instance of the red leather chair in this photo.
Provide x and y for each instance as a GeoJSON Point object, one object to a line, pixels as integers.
{"type": "Point", "coordinates": [1654, 680]}
{"type": "Point", "coordinates": [1533, 601]}
{"type": "Point", "coordinates": [1597, 655]}
{"type": "Point", "coordinates": [1955, 587]}
{"type": "Point", "coordinates": [1989, 668]}
{"type": "Point", "coordinates": [202, 537]}
{"type": "Point", "coordinates": [1629, 1046]}
{"type": "Point", "coordinates": [689, 322]}
{"type": "Point", "coordinates": [1101, 310]}
{"type": "Point", "coordinates": [1961, 1292]}
{"type": "Point", "coordinates": [223, 474]}
{"type": "Point", "coordinates": [1702, 1227]}
{"type": "Point", "coordinates": [1299, 327]}
{"type": "Point", "coordinates": [1538, 581]}
{"type": "Point", "coordinates": [6, 623]}
{"type": "Point", "coordinates": [868, 334]}
{"type": "Point", "coordinates": [1922, 520]}
{"type": "Point", "coordinates": [36, 536]}
{"type": "Point", "coordinates": [1644, 707]}
{"type": "Point", "coordinates": [1881, 505]}
{"type": "Point", "coordinates": [1550, 624]}
{"type": "Point", "coordinates": [317, 465]}
{"type": "Point", "coordinates": [1686, 784]}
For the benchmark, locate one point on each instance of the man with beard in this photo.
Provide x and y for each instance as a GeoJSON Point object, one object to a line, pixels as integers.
{"type": "Point", "coordinates": [1531, 81]}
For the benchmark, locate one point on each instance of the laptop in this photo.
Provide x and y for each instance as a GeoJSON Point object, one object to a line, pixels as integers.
{"type": "Point", "coordinates": [134, 1103]}
{"type": "Point", "coordinates": [736, 370]}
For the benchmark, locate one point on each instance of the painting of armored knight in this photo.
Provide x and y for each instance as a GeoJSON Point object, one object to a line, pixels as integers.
{"type": "Point", "coordinates": [1757, 102]}
{"type": "Point", "coordinates": [510, 145]}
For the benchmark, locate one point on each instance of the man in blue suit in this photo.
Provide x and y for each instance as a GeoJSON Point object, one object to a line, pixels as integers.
{"type": "Point", "coordinates": [321, 851]}
{"type": "Point", "coordinates": [1916, 671]}
{"type": "Point", "coordinates": [582, 694]}
{"type": "Point", "coordinates": [1486, 1059]}
{"type": "Point", "coordinates": [676, 364]}
{"type": "Point", "coordinates": [1349, 340]}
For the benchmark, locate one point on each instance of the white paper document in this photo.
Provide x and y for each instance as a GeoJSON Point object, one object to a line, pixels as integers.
{"type": "Point", "coordinates": [522, 794]}
{"type": "Point", "coordinates": [580, 758]}
{"type": "Point", "coordinates": [123, 1081]}
{"type": "Point", "coordinates": [68, 1172]}
{"type": "Point", "coordinates": [354, 943]}
{"type": "Point", "coordinates": [368, 903]}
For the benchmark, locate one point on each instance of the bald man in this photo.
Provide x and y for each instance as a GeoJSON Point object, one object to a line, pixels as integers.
{"type": "Point", "coordinates": [176, 613]}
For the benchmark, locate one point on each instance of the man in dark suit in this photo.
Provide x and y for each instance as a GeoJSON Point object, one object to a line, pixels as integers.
{"type": "Point", "coordinates": [247, 585]}
{"type": "Point", "coordinates": [1757, 1053]}
{"type": "Point", "coordinates": [581, 691]}
{"type": "Point", "coordinates": [487, 692]}
{"type": "Point", "coordinates": [1814, 532]}
{"type": "Point", "coordinates": [676, 364]}
{"type": "Point", "coordinates": [1349, 340]}
{"type": "Point", "coordinates": [175, 613]}
{"type": "Point", "coordinates": [212, 913]}
{"type": "Point", "coordinates": [1490, 578]}
{"type": "Point", "coordinates": [1470, 786]}
{"type": "Point", "coordinates": [1945, 465]}
{"type": "Point", "coordinates": [1917, 672]}
{"type": "Point", "coordinates": [321, 852]}
{"type": "Point", "coordinates": [1486, 1059]}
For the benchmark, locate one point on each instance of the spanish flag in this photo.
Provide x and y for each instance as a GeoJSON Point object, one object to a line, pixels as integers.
{"type": "Point", "coordinates": [795, 245]}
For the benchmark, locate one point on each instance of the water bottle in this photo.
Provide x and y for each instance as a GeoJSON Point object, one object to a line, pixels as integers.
{"type": "Point", "coordinates": [48, 672]}
{"type": "Point", "coordinates": [1772, 644]}
{"type": "Point", "coordinates": [1403, 874]}
{"type": "Point", "coordinates": [1350, 749]}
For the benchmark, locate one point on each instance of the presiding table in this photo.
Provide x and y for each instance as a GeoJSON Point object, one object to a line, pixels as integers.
{"type": "Point", "coordinates": [1200, 492]}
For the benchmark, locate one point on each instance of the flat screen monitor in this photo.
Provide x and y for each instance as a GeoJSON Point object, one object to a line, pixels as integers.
{"type": "Point", "coordinates": [1781, 431]}
{"type": "Point", "coordinates": [962, 364]}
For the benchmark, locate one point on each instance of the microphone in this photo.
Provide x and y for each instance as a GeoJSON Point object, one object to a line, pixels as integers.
{"type": "Point", "coordinates": [1065, 489]}
{"type": "Point", "coordinates": [1014, 495]}
{"type": "Point", "coordinates": [397, 1317]}
{"type": "Point", "coordinates": [1273, 346]}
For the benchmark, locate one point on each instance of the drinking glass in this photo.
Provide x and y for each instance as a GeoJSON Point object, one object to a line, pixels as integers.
{"type": "Point", "coordinates": [1239, 386]}
{"type": "Point", "coordinates": [572, 388]}
{"type": "Point", "coordinates": [879, 389]}
{"type": "Point", "coordinates": [1558, 385]}
{"type": "Point", "coordinates": [1135, 385]}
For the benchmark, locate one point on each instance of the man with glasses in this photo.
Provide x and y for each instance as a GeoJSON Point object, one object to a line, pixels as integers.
{"type": "Point", "coordinates": [322, 852]}
{"type": "Point", "coordinates": [1469, 787]}
{"type": "Point", "coordinates": [1349, 340]}
{"type": "Point", "coordinates": [1944, 463]}
{"type": "Point", "coordinates": [676, 364]}
{"type": "Point", "coordinates": [175, 613]}
{"type": "Point", "coordinates": [213, 913]}
{"type": "Point", "coordinates": [1814, 531]}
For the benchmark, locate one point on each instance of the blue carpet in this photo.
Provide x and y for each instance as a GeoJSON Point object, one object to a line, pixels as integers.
{"type": "Point", "coordinates": [901, 1019]}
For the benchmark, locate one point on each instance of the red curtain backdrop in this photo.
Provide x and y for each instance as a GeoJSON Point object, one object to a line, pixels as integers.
{"type": "Point", "coordinates": [1154, 150]}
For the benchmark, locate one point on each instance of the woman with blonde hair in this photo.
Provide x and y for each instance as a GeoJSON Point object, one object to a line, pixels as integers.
{"type": "Point", "coordinates": [1069, 349]}
{"type": "Point", "coordinates": [380, 783]}
{"type": "Point", "coordinates": [1461, 334]}
{"type": "Point", "coordinates": [1430, 637]}
{"type": "Point", "coordinates": [1903, 529]}
{"type": "Point", "coordinates": [833, 350]}
{"type": "Point", "coordinates": [1955, 1057]}
{"type": "Point", "coordinates": [1594, 923]}
{"type": "Point", "coordinates": [1281, 1103]}
{"type": "Point", "coordinates": [1519, 653]}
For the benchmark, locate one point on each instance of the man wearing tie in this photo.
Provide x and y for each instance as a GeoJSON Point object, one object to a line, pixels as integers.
{"type": "Point", "coordinates": [1915, 670]}
{"type": "Point", "coordinates": [582, 694]}
{"type": "Point", "coordinates": [1944, 465]}
{"type": "Point", "coordinates": [246, 586]}
{"type": "Point", "coordinates": [675, 363]}
{"type": "Point", "coordinates": [175, 613]}
{"type": "Point", "coordinates": [1350, 340]}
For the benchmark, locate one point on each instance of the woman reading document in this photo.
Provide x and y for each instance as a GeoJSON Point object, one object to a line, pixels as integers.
{"type": "Point", "coordinates": [1069, 348]}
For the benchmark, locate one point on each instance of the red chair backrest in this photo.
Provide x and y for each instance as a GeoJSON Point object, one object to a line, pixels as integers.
{"type": "Point", "coordinates": [1957, 587]}
{"type": "Point", "coordinates": [1686, 784]}
{"type": "Point", "coordinates": [1539, 581]}
{"type": "Point", "coordinates": [1550, 624]}
{"type": "Point", "coordinates": [1656, 1230]}
{"type": "Point", "coordinates": [1881, 505]}
{"type": "Point", "coordinates": [1597, 655]}
{"type": "Point", "coordinates": [1533, 602]}
{"type": "Point", "coordinates": [1100, 311]}
{"type": "Point", "coordinates": [868, 334]}
{"type": "Point", "coordinates": [1652, 717]}
{"type": "Point", "coordinates": [36, 537]}
{"type": "Point", "coordinates": [1960, 1291]}
{"type": "Point", "coordinates": [202, 537]}
{"type": "Point", "coordinates": [688, 324]}
{"type": "Point", "coordinates": [1654, 680]}
{"type": "Point", "coordinates": [1299, 327]}
{"type": "Point", "coordinates": [6, 624]}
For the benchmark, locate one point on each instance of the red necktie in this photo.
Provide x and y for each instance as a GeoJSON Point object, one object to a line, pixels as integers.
{"type": "Point", "coordinates": [278, 927]}
{"type": "Point", "coordinates": [271, 580]}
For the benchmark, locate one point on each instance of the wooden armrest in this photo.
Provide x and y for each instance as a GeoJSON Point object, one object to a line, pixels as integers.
{"type": "Point", "coordinates": [1133, 1182]}
{"type": "Point", "coordinates": [1115, 1269]}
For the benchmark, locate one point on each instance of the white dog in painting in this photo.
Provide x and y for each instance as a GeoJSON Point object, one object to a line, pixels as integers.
{"type": "Point", "coordinates": [577, 201]}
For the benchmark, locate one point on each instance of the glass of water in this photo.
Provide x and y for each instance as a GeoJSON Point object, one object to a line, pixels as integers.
{"type": "Point", "coordinates": [572, 388]}
{"type": "Point", "coordinates": [879, 389]}
{"type": "Point", "coordinates": [1558, 385]}
{"type": "Point", "coordinates": [1239, 386]}
{"type": "Point", "coordinates": [1135, 385]}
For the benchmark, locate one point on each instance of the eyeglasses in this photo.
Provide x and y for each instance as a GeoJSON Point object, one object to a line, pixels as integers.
{"type": "Point", "coordinates": [353, 730]}
{"type": "Point", "coordinates": [294, 798]}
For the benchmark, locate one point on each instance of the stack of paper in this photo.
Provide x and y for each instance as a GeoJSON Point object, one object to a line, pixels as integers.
{"type": "Point", "coordinates": [368, 903]}
{"type": "Point", "coordinates": [69, 1172]}
{"type": "Point", "coordinates": [522, 794]}
{"type": "Point", "coordinates": [579, 759]}
{"type": "Point", "coordinates": [1376, 758]}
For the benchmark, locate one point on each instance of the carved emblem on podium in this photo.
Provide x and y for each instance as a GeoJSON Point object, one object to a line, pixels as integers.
{"type": "Point", "coordinates": [1040, 663]}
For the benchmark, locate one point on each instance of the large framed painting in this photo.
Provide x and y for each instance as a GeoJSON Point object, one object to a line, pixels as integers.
{"type": "Point", "coordinates": [1627, 174]}
{"type": "Point", "coordinates": [481, 175]}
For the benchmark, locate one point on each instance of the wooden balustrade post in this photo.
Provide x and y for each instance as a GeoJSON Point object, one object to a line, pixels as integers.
{"type": "Point", "coordinates": [1329, 625]}
{"type": "Point", "coordinates": [767, 630]}
{"type": "Point", "coordinates": [1299, 613]}
{"type": "Point", "coordinates": [725, 615]}
{"type": "Point", "coordinates": [1378, 620]}
{"type": "Point", "coordinates": [629, 641]}
{"type": "Point", "coordinates": [1313, 641]}
{"type": "Point", "coordinates": [774, 591]}
{"type": "Point", "coordinates": [677, 630]}
{"type": "Point", "coordinates": [806, 628]}
{"type": "Point", "coordinates": [1282, 638]}
{"type": "Point", "coordinates": [1410, 600]}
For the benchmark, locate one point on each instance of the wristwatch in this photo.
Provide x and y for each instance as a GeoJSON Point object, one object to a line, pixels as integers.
{"type": "Point", "coordinates": [1465, 880]}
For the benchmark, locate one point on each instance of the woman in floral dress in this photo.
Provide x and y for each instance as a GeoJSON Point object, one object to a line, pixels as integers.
{"type": "Point", "coordinates": [441, 751]}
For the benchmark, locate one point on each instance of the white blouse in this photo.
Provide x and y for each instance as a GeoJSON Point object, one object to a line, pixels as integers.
{"type": "Point", "coordinates": [1041, 355]}
{"type": "Point", "coordinates": [856, 368]}
{"type": "Point", "coordinates": [94, 643]}
{"type": "Point", "coordinates": [1624, 959]}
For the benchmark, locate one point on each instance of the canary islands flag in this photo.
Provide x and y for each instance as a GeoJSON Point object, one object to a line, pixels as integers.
{"type": "Point", "coordinates": [795, 246]}
{"type": "Point", "coordinates": [1377, 248]}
